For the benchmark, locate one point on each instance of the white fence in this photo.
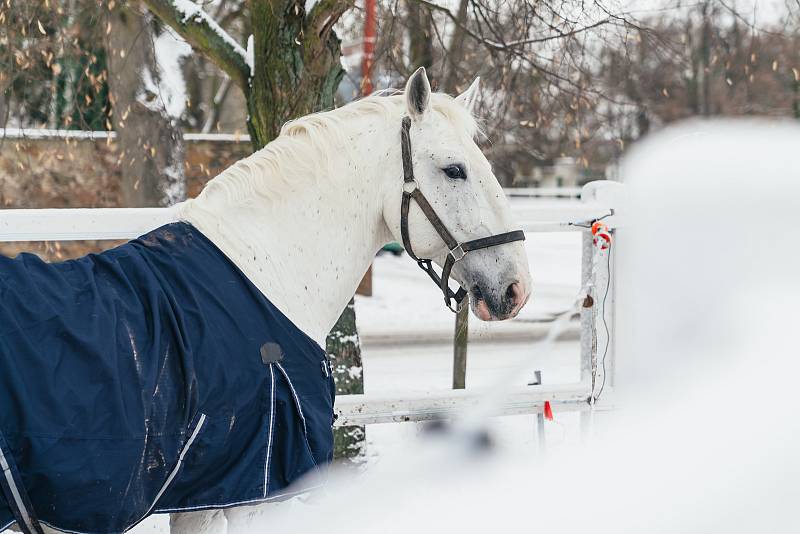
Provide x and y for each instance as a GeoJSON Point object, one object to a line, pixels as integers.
{"type": "Point", "coordinates": [599, 200]}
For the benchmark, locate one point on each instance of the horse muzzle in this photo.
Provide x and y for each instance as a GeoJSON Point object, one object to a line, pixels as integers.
{"type": "Point", "coordinates": [498, 302]}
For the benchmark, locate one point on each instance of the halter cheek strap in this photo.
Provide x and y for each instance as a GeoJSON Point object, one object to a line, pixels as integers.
{"type": "Point", "coordinates": [456, 250]}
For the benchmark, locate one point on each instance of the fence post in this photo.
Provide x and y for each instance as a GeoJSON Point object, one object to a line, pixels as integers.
{"type": "Point", "coordinates": [460, 348]}
{"type": "Point", "coordinates": [587, 326]}
{"type": "Point", "coordinates": [540, 415]}
{"type": "Point", "coordinates": [602, 318]}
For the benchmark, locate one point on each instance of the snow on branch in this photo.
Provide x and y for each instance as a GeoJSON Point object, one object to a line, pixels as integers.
{"type": "Point", "coordinates": [190, 10]}
{"type": "Point", "coordinates": [204, 34]}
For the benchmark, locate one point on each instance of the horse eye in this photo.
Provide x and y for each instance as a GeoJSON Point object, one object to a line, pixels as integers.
{"type": "Point", "coordinates": [455, 172]}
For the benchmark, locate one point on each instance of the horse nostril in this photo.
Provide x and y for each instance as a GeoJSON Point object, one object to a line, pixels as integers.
{"type": "Point", "coordinates": [515, 296]}
{"type": "Point", "coordinates": [512, 292]}
{"type": "Point", "coordinates": [477, 293]}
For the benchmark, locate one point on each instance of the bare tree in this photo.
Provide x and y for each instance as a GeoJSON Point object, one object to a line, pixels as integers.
{"type": "Point", "coordinates": [707, 60]}
{"type": "Point", "coordinates": [149, 135]}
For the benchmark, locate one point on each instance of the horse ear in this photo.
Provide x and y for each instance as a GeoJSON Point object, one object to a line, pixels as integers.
{"type": "Point", "coordinates": [469, 98]}
{"type": "Point", "coordinates": [418, 94]}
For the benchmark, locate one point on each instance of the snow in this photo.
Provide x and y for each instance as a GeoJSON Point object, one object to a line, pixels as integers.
{"type": "Point", "coordinates": [170, 49]}
{"type": "Point", "coordinates": [250, 56]}
{"type": "Point", "coordinates": [192, 11]}
{"type": "Point", "coordinates": [175, 184]}
{"type": "Point", "coordinates": [422, 368]}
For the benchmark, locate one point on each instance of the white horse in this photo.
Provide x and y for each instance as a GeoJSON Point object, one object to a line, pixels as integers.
{"type": "Point", "coordinates": [304, 217]}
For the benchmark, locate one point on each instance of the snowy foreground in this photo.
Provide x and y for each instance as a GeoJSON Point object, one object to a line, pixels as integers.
{"type": "Point", "coordinates": [704, 435]}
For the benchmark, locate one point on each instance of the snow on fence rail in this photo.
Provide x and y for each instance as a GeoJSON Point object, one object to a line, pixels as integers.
{"type": "Point", "coordinates": [598, 200]}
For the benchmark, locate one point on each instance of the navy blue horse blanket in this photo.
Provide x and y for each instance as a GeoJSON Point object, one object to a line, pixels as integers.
{"type": "Point", "coordinates": [153, 377]}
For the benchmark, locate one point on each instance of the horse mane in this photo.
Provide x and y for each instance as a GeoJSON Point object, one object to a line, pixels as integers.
{"type": "Point", "coordinates": [303, 151]}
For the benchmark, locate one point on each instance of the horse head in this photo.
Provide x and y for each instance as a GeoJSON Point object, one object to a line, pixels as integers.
{"type": "Point", "coordinates": [466, 205]}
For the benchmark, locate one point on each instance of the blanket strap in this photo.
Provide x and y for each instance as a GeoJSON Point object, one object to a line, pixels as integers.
{"type": "Point", "coordinates": [15, 493]}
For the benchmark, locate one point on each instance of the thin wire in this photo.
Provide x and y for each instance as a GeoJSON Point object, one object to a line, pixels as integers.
{"type": "Point", "coordinates": [607, 215]}
{"type": "Point", "coordinates": [605, 324]}
{"type": "Point", "coordinates": [579, 225]}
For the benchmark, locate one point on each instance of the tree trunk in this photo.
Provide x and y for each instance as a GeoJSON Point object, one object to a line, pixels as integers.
{"type": "Point", "coordinates": [705, 61]}
{"type": "Point", "coordinates": [796, 103]}
{"type": "Point", "coordinates": [455, 52]}
{"type": "Point", "coordinates": [344, 350]}
{"type": "Point", "coordinates": [296, 73]}
{"type": "Point", "coordinates": [151, 144]}
{"type": "Point", "coordinates": [420, 34]}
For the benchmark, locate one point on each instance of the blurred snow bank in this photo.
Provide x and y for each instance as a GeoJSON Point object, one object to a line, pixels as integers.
{"type": "Point", "coordinates": [704, 437]}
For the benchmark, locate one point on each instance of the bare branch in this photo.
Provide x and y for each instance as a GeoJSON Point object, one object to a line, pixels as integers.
{"type": "Point", "coordinates": [205, 36]}
{"type": "Point", "coordinates": [462, 27]}
{"type": "Point", "coordinates": [325, 14]}
{"type": "Point", "coordinates": [502, 46]}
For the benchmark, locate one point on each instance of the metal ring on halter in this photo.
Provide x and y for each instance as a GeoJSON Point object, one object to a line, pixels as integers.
{"type": "Point", "coordinates": [458, 253]}
{"type": "Point", "coordinates": [410, 186]}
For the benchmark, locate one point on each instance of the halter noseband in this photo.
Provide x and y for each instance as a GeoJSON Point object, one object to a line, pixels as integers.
{"type": "Point", "coordinates": [457, 250]}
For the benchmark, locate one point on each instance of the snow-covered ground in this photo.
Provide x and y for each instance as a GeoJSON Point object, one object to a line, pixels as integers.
{"type": "Point", "coordinates": [428, 367]}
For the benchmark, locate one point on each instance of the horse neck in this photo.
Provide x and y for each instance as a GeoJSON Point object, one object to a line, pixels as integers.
{"type": "Point", "coordinates": [305, 250]}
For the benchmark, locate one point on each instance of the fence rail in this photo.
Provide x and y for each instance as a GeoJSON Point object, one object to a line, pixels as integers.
{"type": "Point", "coordinates": [36, 134]}
{"type": "Point", "coordinates": [79, 224]}
{"type": "Point", "coordinates": [544, 192]}
{"type": "Point", "coordinates": [374, 409]}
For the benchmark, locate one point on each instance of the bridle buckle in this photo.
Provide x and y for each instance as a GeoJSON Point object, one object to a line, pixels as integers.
{"type": "Point", "coordinates": [409, 186]}
{"type": "Point", "coordinates": [458, 253]}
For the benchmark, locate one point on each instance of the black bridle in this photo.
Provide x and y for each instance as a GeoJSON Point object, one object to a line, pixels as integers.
{"type": "Point", "coordinates": [457, 250]}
